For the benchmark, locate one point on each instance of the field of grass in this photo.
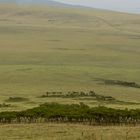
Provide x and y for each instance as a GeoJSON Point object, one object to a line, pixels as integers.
{"type": "Point", "coordinates": [57, 49]}
{"type": "Point", "coordinates": [44, 49]}
{"type": "Point", "coordinates": [67, 132]}
{"type": "Point", "coordinates": [64, 49]}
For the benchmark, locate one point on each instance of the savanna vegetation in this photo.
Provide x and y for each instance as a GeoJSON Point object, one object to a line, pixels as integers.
{"type": "Point", "coordinates": [45, 48]}
{"type": "Point", "coordinates": [89, 95]}
{"type": "Point", "coordinates": [67, 131]}
{"type": "Point", "coordinates": [91, 56]}
{"type": "Point", "coordinates": [74, 113]}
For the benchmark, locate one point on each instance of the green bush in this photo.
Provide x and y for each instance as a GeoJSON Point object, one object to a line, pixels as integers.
{"type": "Point", "coordinates": [73, 113]}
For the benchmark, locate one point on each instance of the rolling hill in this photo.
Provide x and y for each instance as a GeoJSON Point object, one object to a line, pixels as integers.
{"type": "Point", "coordinates": [68, 56]}
{"type": "Point", "coordinates": [41, 2]}
{"type": "Point", "coordinates": [45, 48]}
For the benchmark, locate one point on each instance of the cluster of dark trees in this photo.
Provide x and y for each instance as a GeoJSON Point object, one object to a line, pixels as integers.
{"type": "Point", "coordinates": [80, 94]}
{"type": "Point", "coordinates": [74, 94]}
{"type": "Point", "coordinates": [69, 94]}
{"type": "Point", "coordinates": [122, 83]}
{"type": "Point", "coordinates": [74, 113]}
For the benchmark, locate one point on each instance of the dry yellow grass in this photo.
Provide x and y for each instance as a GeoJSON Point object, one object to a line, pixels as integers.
{"type": "Point", "coordinates": [67, 132]}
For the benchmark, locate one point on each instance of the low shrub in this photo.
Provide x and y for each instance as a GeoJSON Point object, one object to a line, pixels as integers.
{"type": "Point", "coordinates": [17, 99]}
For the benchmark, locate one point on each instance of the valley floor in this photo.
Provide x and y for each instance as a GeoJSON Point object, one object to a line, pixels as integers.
{"type": "Point", "coordinates": [67, 132]}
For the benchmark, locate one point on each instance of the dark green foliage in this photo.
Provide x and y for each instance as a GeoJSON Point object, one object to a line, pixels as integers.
{"type": "Point", "coordinates": [70, 94]}
{"type": "Point", "coordinates": [17, 99]}
{"type": "Point", "coordinates": [121, 83]}
{"type": "Point", "coordinates": [79, 113]}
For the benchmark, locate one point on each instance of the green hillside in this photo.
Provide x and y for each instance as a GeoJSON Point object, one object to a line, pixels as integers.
{"type": "Point", "coordinates": [64, 49]}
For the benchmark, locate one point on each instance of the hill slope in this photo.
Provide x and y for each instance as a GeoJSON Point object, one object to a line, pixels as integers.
{"type": "Point", "coordinates": [41, 2]}
{"type": "Point", "coordinates": [60, 49]}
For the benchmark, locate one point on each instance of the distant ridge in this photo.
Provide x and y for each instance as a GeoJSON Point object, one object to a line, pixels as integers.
{"type": "Point", "coordinates": [48, 2]}
{"type": "Point", "coordinates": [131, 7]}
{"type": "Point", "coordinates": [8, 1]}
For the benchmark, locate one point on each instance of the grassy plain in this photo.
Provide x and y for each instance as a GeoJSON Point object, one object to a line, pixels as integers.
{"type": "Point", "coordinates": [63, 49]}
{"type": "Point", "coordinates": [67, 132]}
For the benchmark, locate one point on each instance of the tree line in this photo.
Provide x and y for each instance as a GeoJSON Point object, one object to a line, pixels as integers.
{"type": "Point", "coordinates": [74, 113]}
{"type": "Point", "coordinates": [74, 94]}
{"type": "Point", "coordinates": [121, 83]}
